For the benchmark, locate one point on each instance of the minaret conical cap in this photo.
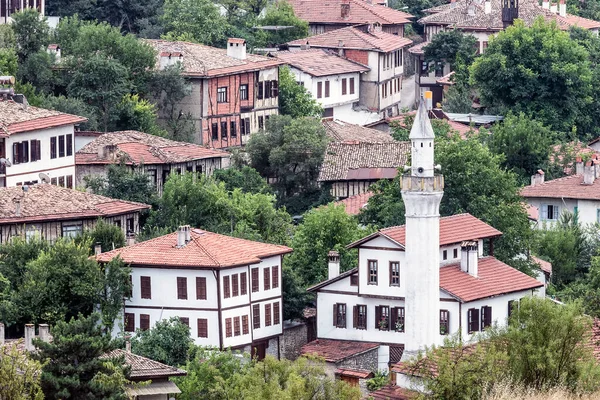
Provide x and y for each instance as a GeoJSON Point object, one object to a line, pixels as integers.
{"type": "Point", "coordinates": [421, 128]}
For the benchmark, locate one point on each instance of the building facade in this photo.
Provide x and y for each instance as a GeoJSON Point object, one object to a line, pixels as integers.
{"type": "Point", "coordinates": [9, 7]}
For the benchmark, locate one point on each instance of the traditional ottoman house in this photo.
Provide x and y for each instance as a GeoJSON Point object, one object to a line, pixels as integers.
{"type": "Point", "coordinates": [417, 283]}
{"type": "Point", "coordinates": [9, 7]}
{"type": "Point", "coordinates": [228, 290]}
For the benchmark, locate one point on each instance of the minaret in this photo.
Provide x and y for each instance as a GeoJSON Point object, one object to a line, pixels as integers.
{"type": "Point", "coordinates": [422, 191]}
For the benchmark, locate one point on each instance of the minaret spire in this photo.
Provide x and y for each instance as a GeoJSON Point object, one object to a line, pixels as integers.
{"type": "Point", "coordinates": [422, 191]}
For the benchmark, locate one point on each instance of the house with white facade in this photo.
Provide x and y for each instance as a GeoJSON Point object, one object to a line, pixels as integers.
{"type": "Point", "coordinates": [228, 290]}
{"type": "Point", "coordinates": [332, 80]}
{"type": "Point", "coordinates": [418, 283]}
{"type": "Point", "coordinates": [35, 140]}
{"type": "Point", "coordinates": [9, 7]}
{"type": "Point", "coordinates": [382, 52]}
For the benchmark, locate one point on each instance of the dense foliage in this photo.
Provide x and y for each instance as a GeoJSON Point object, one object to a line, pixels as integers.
{"type": "Point", "coordinates": [168, 342]}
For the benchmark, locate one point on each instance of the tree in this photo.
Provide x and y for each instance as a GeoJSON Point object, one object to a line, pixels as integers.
{"type": "Point", "coordinates": [115, 290]}
{"type": "Point", "coordinates": [282, 14]}
{"type": "Point", "coordinates": [585, 289]}
{"type": "Point", "coordinates": [447, 46]}
{"type": "Point", "coordinates": [122, 183]}
{"type": "Point", "coordinates": [138, 115]}
{"type": "Point", "coordinates": [247, 179]}
{"type": "Point", "coordinates": [76, 365]}
{"type": "Point", "coordinates": [32, 32]}
{"type": "Point", "coordinates": [37, 70]}
{"type": "Point", "coordinates": [19, 375]}
{"type": "Point", "coordinates": [167, 342]}
{"type": "Point", "coordinates": [198, 21]}
{"type": "Point", "coordinates": [8, 61]}
{"type": "Point", "coordinates": [16, 254]}
{"type": "Point", "coordinates": [75, 106]}
{"type": "Point", "coordinates": [107, 235]}
{"type": "Point", "coordinates": [537, 70]}
{"type": "Point", "coordinates": [294, 99]}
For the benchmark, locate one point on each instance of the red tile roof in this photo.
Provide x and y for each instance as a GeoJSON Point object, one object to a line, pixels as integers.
{"type": "Point", "coordinates": [339, 131]}
{"type": "Point", "coordinates": [418, 49]}
{"type": "Point", "coordinates": [205, 250]}
{"type": "Point", "coordinates": [45, 202]}
{"type": "Point", "coordinates": [337, 350]}
{"type": "Point", "coordinates": [494, 278]}
{"type": "Point", "coordinates": [446, 79]}
{"type": "Point", "coordinates": [353, 38]}
{"type": "Point", "coordinates": [544, 265]}
{"type": "Point", "coordinates": [361, 12]}
{"type": "Point", "coordinates": [393, 392]}
{"type": "Point", "coordinates": [533, 213]}
{"type": "Point", "coordinates": [354, 373]}
{"type": "Point", "coordinates": [569, 187]}
{"type": "Point", "coordinates": [143, 368]}
{"type": "Point", "coordinates": [16, 118]}
{"type": "Point", "coordinates": [317, 62]}
{"type": "Point", "coordinates": [355, 203]}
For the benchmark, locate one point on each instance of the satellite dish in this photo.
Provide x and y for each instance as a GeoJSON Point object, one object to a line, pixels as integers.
{"type": "Point", "coordinates": [45, 178]}
{"type": "Point", "coordinates": [5, 161]}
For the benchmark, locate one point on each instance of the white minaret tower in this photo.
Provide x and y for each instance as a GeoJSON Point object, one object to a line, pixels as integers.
{"type": "Point", "coordinates": [422, 191]}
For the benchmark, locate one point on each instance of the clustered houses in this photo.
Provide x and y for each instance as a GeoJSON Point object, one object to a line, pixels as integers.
{"type": "Point", "coordinates": [34, 141]}
{"type": "Point", "coordinates": [233, 93]}
{"type": "Point", "coordinates": [9, 7]}
{"type": "Point", "coordinates": [371, 46]}
{"type": "Point", "coordinates": [482, 18]}
{"type": "Point", "coordinates": [228, 290]}
{"type": "Point", "coordinates": [53, 212]}
{"type": "Point", "coordinates": [155, 156]}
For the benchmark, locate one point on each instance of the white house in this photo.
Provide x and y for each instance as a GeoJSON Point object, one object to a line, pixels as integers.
{"type": "Point", "coordinates": [228, 290]}
{"type": "Point", "coordinates": [8, 7]}
{"type": "Point", "coordinates": [34, 141]}
{"type": "Point", "coordinates": [417, 283]}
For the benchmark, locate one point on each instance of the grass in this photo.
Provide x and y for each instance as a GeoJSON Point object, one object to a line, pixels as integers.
{"type": "Point", "coordinates": [508, 392]}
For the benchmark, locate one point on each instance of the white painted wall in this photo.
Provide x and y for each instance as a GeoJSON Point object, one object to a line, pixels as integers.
{"type": "Point", "coordinates": [384, 257]}
{"type": "Point", "coordinates": [274, 329]}
{"type": "Point", "coordinates": [262, 293]}
{"type": "Point", "coordinates": [587, 209]}
{"type": "Point", "coordinates": [335, 87]}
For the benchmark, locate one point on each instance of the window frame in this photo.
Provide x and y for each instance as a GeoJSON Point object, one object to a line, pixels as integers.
{"type": "Point", "coordinates": [275, 277]}
{"type": "Point", "coordinates": [267, 278]}
{"type": "Point", "coordinates": [394, 273]}
{"type": "Point", "coordinates": [235, 288]}
{"type": "Point", "coordinates": [268, 314]}
{"type": "Point", "coordinates": [144, 322]}
{"type": "Point", "coordinates": [360, 318]}
{"type": "Point", "coordinates": [228, 328]}
{"type": "Point", "coordinates": [202, 326]}
{"type": "Point", "coordinates": [226, 287]}
{"type": "Point", "coordinates": [243, 283]}
{"type": "Point", "coordinates": [222, 94]}
{"type": "Point", "coordinates": [444, 322]}
{"type": "Point", "coordinates": [370, 274]}
{"type": "Point", "coordinates": [201, 288]}
{"type": "Point", "coordinates": [182, 288]}
{"type": "Point", "coordinates": [244, 91]}
{"type": "Point", "coordinates": [339, 315]}
{"type": "Point", "coordinates": [256, 316]}
{"type": "Point", "coordinates": [276, 313]}
{"type": "Point", "coordinates": [146, 287]}
{"type": "Point", "coordinates": [255, 282]}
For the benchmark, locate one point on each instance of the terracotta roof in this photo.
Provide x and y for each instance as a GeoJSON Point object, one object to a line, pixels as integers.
{"type": "Point", "coordinates": [533, 213]}
{"type": "Point", "coordinates": [318, 62]}
{"type": "Point", "coordinates": [363, 161]}
{"type": "Point", "coordinates": [16, 118]}
{"type": "Point", "coordinates": [199, 60]}
{"type": "Point", "coordinates": [353, 38]}
{"type": "Point", "coordinates": [344, 132]}
{"type": "Point", "coordinates": [494, 278]}
{"type": "Point", "coordinates": [446, 79]}
{"type": "Point", "coordinates": [45, 202]}
{"type": "Point", "coordinates": [336, 350]}
{"type": "Point", "coordinates": [393, 392]}
{"type": "Point", "coordinates": [544, 265]}
{"type": "Point", "coordinates": [471, 15]}
{"type": "Point", "coordinates": [309, 312]}
{"type": "Point", "coordinates": [143, 368]}
{"type": "Point", "coordinates": [568, 187]}
{"type": "Point", "coordinates": [354, 204]}
{"type": "Point", "coordinates": [458, 127]}
{"type": "Point", "coordinates": [361, 12]}
{"type": "Point", "coordinates": [418, 49]}
{"type": "Point", "coordinates": [205, 250]}
{"type": "Point", "coordinates": [354, 373]}
{"type": "Point", "coordinates": [430, 363]}
{"type": "Point", "coordinates": [133, 147]}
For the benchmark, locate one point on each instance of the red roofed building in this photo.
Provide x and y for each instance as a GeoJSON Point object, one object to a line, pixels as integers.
{"type": "Point", "coordinates": [156, 156]}
{"type": "Point", "coordinates": [354, 204]}
{"type": "Point", "coordinates": [228, 290]}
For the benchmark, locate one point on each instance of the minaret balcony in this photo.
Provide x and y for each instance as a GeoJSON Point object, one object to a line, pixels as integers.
{"type": "Point", "coordinates": [412, 183]}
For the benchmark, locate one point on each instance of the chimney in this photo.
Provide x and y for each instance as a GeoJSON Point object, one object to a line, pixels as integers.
{"type": "Point", "coordinates": [488, 7]}
{"type": "Point", "coordinates": [1, 333]}
{"type": "Point", "coordinates": [538, 178]}
{"type": "Point", "coordinates": [305, 46]}
{"type": "Point", "coordinates": [469, 257]}
{"type": "Point", "coordinates": [54, 49]}
{"type": "Point", "coordinates": [236, 48]}
{"type": "Point", "coordinates": [562, 8]}
{"type": "Point", "coordinates": [181, 236]}
{"type": "Point", "coordinates": [97, 249]}
{"type": "Point", "coordinates": [17, 202]}
{"type": "Point", "coordinates": [127, 343]}
{"type": "Point", "coordinates": [579, 166]}
{"type": "Point", "coordinates": [334, 264]}
{"type": "Point", "coordinates": [29, 335]}
{"type": "Point", "coordinates": [130, 239]}
{"type": "Point", "coordinates": [44, 332]}
{"type": "Point", "coordinates": [588, 173]}
{"type": "Point", "coordinates": [345, 8]}
{"type": "Point", "coordinates": [553, 8]}
{"type": "Point", "coordinates": [546, 4]}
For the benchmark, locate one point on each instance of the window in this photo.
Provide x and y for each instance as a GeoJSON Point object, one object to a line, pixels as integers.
{"type": "Point", "coordinates": [200, 288]}
{"type": "Point", "coordinates": [354, 280]}
{"type": "Point", "coordinates": [261, 122]}
{"type": "Point", "coordinates": [256, 316]}
{"type": "Point", "coordinates": [513, 305]}
{"type": "Point", "coordinates": [235, 285]}
{"type": "Point", "coordinates": [445, 254]}
{"type": "Point", "coordinates": [245, 126]}
{"type": "Point", "coordinates": [319, 90]}
{"type": "Point", "coordinates": [223, 129]}
{"type": "Point", "coordinates": [444, 322]}
{"type": "Point", "coordinates": [276, 315]}
{"type": "Point", "coordinates": [36, 150]}
{"type": "Point", "coordinates": [267, 315]}
{"type": "Point", "coordinates": [228, 332]}
{"type": "Point", "coordinates": [226, 287]}
{"type": "Point", "coordinates": [344, 86]}
{"type": "Point", "coordinates": [21, 152]}
{"type": "Point", "coordinates": [243, 92]}
{"type": "Point", "coordinates": [243, 284]}
{"type": "Point", "coordinates": [439, 69]}
{"type": "Point", "coordinates": [259, 95]}
{"type": "Point", "coordinates": [398, 58]}
{"type": "Point", "coordinates": [182, 288]}
{"type": "Point", "coordinates": [397, 319]}
{"type": "Point", "coordinates": [185, 320]}
{"type": "Point", "coordinates": [275, 276]}
{"type": "Point", "coordinates": [267, 278]}
{"type": "Point", "coordinates": [215, 131]}
{"type": "Point", "coordinates": [245, 328]}
{"type": "Point", "coordinates": [129, 322]}
{"type": "Point", "coordinates": [351, 85]}
{"type": "Point", "coordinates": [372, 270]}
{"type": "Point", "coordinates": [53, 147]}
{"type": "Point", "coordinates": [32, 231]}
{"type": "Point", "coordinates": [237, 329]}
{"type": "Point", "coordinates": [222, 95]}
{"type": "Point", "coordinates": [202, 327]}
{"type": "Point", "coordinates": [328, 112]}
{"type": "Point", "coordinates": [61, 146]}
{"type": "Point", "coordinates": [61, 181]}
{"type": "Point", "coordinates": [484, 46]}
{"type": "Point", "coordinates": [382, 318]}
{"type": "Point", "coordinates": [384, 90]}
{"type": "Point", "coordinates": [232, 129]}
{"type": "Point", "coordinates": [53, 181]}
{"type": "Point", "coordinates": [360, 317]}
{"type": "Point", "coordinates": [71, 230]}
{"type": "Point", "coordinates": [394, 273]}
{"type": "Point", "coordinates": [69, 145]}
{"type": "Point", "coordinates": [424, 68]}
{"type": "Point", "coordinates": [254, 280]}
{"type": "Point", "coordinates": [339, 315]}
{"type": "Point", "coordinates": [455, 253]}
{"type": "Point", "coordinates": [274, 89]}
{"type": "Point", "coordinates": [326, 88]}
{"type": "Point", "coordinates": [144, 322]}
{"type": "Point", "coordinates": [268, 85]}
{"type": "Point", "coordinates": [129, 222]}
{"type": "Point", "coordinates": [486, 317]}
{"type": "Point", "coordinates": [549, 212]}
{"type": "Point", "coordinates": [473, 320]}
{"type": "Point", "coordinates": [145, 287]}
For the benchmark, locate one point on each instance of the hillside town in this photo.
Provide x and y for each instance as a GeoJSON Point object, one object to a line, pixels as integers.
{"type": "Point", "coordinates": [299, 199]}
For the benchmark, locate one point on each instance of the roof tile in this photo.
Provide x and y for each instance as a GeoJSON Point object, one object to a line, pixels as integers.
{"type": "Point", "coordinates": [145, 368]}
{"type": "Point", "coordinates": [568, 187]}
{"type": "Point", "coordinates": [337, 350]}
{"type": "Point", "coordinates": [340, 131]}
{"type": "Point", "coordinates": [317, 62]}
{"type": "Point", "coordinates": [361, 12]}
{"type": "Point", "coordinates": [354, 204]}
{"type": "Point", "coordinates": [16, 118]}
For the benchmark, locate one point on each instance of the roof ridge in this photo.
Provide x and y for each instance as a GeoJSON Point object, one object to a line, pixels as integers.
{"type": "Point", "coordinates": [208, 254]}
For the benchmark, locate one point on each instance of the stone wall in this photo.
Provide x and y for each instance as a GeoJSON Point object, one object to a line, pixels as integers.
{"type": "Point", "coordinates": [293, 338]}
{"type": "Point", "coordinates": [366, 361]}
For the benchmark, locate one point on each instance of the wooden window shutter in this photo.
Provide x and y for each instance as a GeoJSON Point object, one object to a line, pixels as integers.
{"type": "Point", "coordinates": [319, 90]}
{"type": "Point", "coordinates": [254, 280]}
{"type": "Point", "coordinates": [243, 283]}
{"type": "Point", "coordinates": [182, 288]}
{"type": "Point", "coordinates": [200, 288]}
{"type": "Point", "coordinates": [343, 86]}
{"type": "Point", "coordinates": [226, 287]}
{"type": "Point", "coordinates": [129, 322]}
{"type": "Point", "coordinates": [355, 317]}
{"type": "Point", "coordinates": [144, 322]}
{"type": "Point", "coordinates": [473, 316]}
{"type": "Point", "coordinates": [237, 328]}
{"type": "Point", "coordinates": [276, 314]}
{"type": "Point", "coordinates": [228, 330]}
{"type": "Point", "coordinates": [326, 88]}
{"type": "Point", "coordinates": [202, 327]}
{"type": "Point", "coordinates": [335, 314]}
{"type": "Point", "coordinates": [130, 288]}
{"type": "Point", "coordinates": [245, 328]}
{"type": "Point", "coordinates": [235, 285]}
{"type": "Point", "coordinates": [146, 287]}
{"type": "Point", "coordinates": [256, 316]}
{"type": "Point", "coordinates": [267, 278]}
{"type": "Point", "coordinates": [393, 318]}
{"type": "Point", "coordinates": [377, 316]}
{"type": "Point", "coordinates": [275, 276]}
{"type": "Point", "coordinates": [267, 315]}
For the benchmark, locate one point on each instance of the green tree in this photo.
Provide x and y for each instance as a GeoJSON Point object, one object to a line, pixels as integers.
{"type": "Point", "coordinates": [107, 235]}
{"type": "Point", "coordinates": [123, 183]}
{"type": "Point", "coordinates": [198, 21]}
{"type": "Point", "coordinates": [247, 179]}
{"type": "Point", "coordinates": [32, 32]}
{"type": "Point", "coordinates": [16, 254]}
{"type": "Point", "coordinates": [75, 362]}
{"type": "Point", "coordinates": [115, 289]}
{"type": "Point", "coordinates": [19, 375]}
{"type": "Point", "coordinates": [446, 46]}
{"type": "Point", "coordinates": [167, 342]}
{"type": "Point", "coordinates": [75, 106]}
{"type": "Point", "coordinates": [138, 115]}
{"type": "Point", "coordinates": [294, 99]}
{"type": "Point", "coordinates": [537, 70]}
{"type": "Point", "coordinates": [8, 61]}
{"type": "Point", "coordinates": [585, 289]}
{"type": "Point", "coordinates": [37, 70]}
{"type": "Point", "coordinates": [282, 14]}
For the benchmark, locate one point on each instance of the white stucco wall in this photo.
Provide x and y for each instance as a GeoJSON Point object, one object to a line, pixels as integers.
{"type": "Point", "coordinates": [335, 87]}
{"type": "Point", "coordinates": [587, 209]}
{"type": "Point", "coordinates": [383, 257]}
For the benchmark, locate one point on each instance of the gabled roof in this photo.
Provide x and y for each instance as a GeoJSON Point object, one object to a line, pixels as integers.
{"type": "Point", "coordinates": [354, 204]}
{"type": "Point", "coordinates": [318, 62]}
{"type": "Point", "coordinates": [363, 161]}
{"type": "Point", "coordinates": [332, 280]}
{"type": "Point", "coordinates": [45, 202]}
{"type": "Point", "coordinates": [17, 118]}
{"type": "Point", "coordinates": [143, 368]}
{"type": "Point", "coordinates": [568, 187]}
{"type": "Point", "coordinates": [199, 60]}
{"type": "Point", "coordinates": [543, 264]}
{"type": "Point", "coordinates": [453, 229]}
{"type": "Point", "coordinates": [360, 12]}
{"type": "Point", "coordinates": [353, 38]}
{"type": "Point", "coordinates": [133, 147]}
{"type": "Point", "coordinates": [337, 350]}
{"type": "Point", "coordinates": [205, 250]}
{"type": "Point", "coordinates": [340, 131]}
